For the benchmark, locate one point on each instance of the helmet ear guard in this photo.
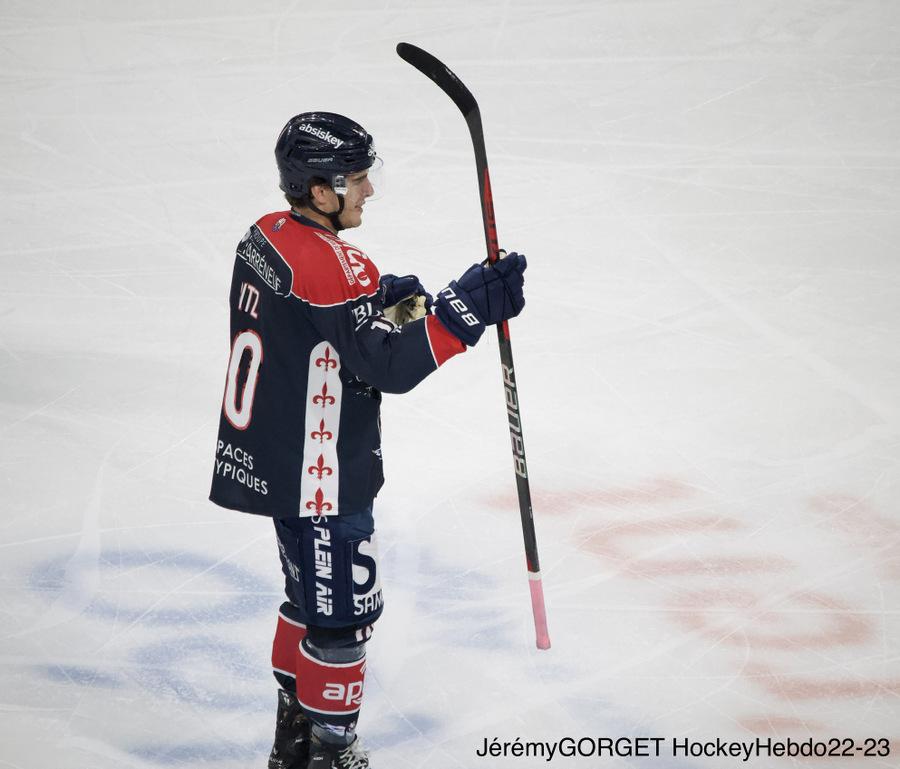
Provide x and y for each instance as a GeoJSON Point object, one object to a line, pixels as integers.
{"type": "Point", "coordinates": [339, 184]}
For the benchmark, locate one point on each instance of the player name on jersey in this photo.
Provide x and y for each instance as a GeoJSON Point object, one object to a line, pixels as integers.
{"type": "Point", "coordinates": [257, 262]}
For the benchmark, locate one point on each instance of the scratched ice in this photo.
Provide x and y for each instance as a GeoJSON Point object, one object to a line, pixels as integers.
{"type": "Point", "coordinates": [709, 197]}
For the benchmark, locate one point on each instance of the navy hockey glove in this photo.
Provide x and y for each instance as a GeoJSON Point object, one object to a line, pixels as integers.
{"type": "Point", "coordinates": [483, 296]}
{"type": "Point", "coordinates": [394, 290]}
{"type": "Point", "coordinates": [404, 298]}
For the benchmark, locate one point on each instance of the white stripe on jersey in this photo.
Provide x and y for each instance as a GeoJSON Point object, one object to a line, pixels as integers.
{"type": "Point", "coordinates": [319, 471]}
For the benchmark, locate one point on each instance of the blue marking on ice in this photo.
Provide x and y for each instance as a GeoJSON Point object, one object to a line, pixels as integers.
{"type": "Point", "coordinates": [245, 594]}
{"type": "Point", "coordinates": [79, 676]}
{"type": "Point", "coordinates": [202, 671]}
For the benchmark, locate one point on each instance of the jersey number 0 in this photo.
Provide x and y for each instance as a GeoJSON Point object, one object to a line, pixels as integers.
{"type": "Point", "coordinates": [239, 414]}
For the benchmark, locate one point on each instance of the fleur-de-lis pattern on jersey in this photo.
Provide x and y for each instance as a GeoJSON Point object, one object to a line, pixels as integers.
{"type": "Point", "coordinates": [321, 435]}
{"type": "Point", "coordinates": [326, 360]}
{"type": "Point", "coordinates": [320, 468]}
{"type": "Point", "coordinates": [319, 505]}
{"type": "Point", "coordinates": [323, 399]}
{"type": "Point", "coordinates": [319, 481]}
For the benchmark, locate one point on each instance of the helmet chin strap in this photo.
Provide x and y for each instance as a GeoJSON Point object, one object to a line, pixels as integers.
{"type": "Point", "coordinates": [334, 216]}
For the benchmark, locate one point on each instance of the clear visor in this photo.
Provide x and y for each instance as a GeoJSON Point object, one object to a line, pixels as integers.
{"type": "Point", "coordinates": [368, 184]}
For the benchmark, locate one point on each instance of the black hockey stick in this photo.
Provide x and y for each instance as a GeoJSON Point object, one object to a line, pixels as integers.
{"type": "Point", "coordinates": [451, 85]}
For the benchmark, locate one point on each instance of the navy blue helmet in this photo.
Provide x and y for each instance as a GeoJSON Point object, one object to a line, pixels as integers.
{"type": "Point", "coordinates": [321, 145]}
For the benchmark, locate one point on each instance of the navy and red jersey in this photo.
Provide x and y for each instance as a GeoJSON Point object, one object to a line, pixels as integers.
{"type": "Point", "coordinates": [311, 353]}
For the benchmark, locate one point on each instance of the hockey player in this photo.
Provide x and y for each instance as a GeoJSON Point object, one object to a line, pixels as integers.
{"type": "Point", "coordinates": [317, 334]}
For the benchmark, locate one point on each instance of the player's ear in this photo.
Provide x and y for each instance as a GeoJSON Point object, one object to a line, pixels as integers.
{"type": "Point", "coordinates": [319, 193]}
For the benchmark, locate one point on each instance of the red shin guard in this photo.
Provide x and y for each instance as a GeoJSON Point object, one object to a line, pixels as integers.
{"type": "Point", "coordinates": [288, 636]}
{"type": "Point", "coordinates": [330, 691]}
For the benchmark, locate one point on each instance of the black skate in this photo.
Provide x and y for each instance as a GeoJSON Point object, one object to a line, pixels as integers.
{"type": "Point", "coordinates": [325, 756]}
{"type": "Point", "coordinates": [291, 748]}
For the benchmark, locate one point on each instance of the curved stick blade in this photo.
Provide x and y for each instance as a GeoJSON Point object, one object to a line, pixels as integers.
{"type": "Point", "coordinates": [441, 74]}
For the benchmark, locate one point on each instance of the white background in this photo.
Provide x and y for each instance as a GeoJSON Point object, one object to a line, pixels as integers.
{"type": "Point", "coordinates": [707, 192]}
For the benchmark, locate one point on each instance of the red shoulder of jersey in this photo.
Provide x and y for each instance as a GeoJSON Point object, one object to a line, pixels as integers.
{"type": "Point", "coordinates": [327, 271]}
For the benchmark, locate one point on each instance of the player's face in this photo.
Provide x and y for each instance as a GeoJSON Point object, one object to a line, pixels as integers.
{"type": "Point", "coordinates": [359, 188]}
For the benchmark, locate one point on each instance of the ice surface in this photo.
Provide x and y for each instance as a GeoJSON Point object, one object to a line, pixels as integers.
{"type": "Point", "coordinates": [709, 197]}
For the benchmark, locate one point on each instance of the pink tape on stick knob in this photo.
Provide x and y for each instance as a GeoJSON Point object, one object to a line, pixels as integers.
{"type": "Point", "coordinates": [540, 611]}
